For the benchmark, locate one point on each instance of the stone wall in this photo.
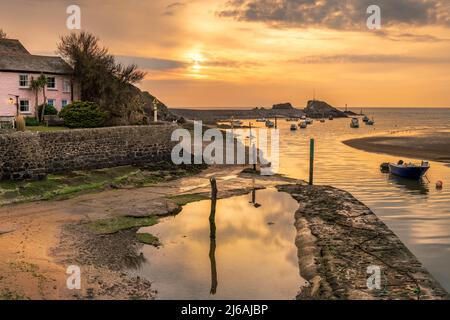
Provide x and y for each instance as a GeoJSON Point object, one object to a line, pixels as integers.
{"type": "Point", "coordinates": [33, 155]}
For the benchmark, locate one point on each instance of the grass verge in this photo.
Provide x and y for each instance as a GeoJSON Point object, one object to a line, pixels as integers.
{"type": "Point", "coordinates": [149, 239]}
{"type": "Point", "coordinates": [110, 226]}
{"type": "Point", "coordinates": [184, 199]}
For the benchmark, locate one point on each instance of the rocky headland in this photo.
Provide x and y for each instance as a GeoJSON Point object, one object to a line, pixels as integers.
{"type": "Point", "coordinates": [314, 109]}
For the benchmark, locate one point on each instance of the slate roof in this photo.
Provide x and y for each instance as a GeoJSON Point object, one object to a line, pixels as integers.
{"type": "Point", "coordinates": [15, 58]}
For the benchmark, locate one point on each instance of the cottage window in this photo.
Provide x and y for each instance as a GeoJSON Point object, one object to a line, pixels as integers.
{"type": "Point", "coordinates": [64, 103]}
{"type": "Point", "coordinates": [51, 102]}
{"type": "Point", "coordinates": [24, 106]}
{"type": "Point", "coordinates": [24, 81]}
{"type": "Point", "coordinates": [51, 82]}
{"type": "Point", "coordinates": [66, 85]}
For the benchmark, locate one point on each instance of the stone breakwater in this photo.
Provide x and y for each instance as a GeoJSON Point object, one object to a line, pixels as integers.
{"type": "Point", "coordinates": [34, 155]}
{"type": "Point", "coordinates": [338, 238]}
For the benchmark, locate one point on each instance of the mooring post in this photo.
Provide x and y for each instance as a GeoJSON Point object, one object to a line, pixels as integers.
{"type": "Point", "coordinates": [311, 163]}
{"type": "Point", "coordinates": [212, 216]}
{"type": "Point", "coordinates": [212, 243]}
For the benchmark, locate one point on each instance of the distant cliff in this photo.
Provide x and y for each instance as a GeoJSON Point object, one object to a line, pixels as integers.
{"type": "Point", "coordinates": [319, 109]}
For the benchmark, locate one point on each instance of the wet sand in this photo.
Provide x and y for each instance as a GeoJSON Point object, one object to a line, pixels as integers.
{"type": "Point", "coordinates": [434, 146]}
{"type": "Point", "coordinates": [40, 240]}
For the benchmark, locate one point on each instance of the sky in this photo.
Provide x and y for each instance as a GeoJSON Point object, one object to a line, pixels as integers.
{"type": "Point", "coordinates": [255, 53]}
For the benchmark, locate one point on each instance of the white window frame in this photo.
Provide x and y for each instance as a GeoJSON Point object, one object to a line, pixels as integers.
{"type": "Point", "coordinates": [67, 83]}
{"type": "Point", "coordinates": [52, 88]}
{"type": "Point", "coordinates": [54, 102]}
{"type": "Point", "coordinates": [64, 105]}
{"type": "Point", "coordinates": [20, 106]}
{"type": "Point", "coordinates": [27, 81]}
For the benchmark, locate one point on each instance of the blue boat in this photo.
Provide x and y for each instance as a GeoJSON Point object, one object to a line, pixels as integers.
{"type": "Point", "coordinates": [409, 171]}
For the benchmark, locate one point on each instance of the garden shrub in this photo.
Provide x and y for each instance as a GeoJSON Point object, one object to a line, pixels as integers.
{"type": "Point", "coordinates": [82, 114]}
{"type": "Point", "coordinates": [49, 110]}
{"type": "Point", "coordinates": [31, 122]}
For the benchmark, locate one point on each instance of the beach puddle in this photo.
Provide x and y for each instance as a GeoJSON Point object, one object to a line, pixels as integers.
{"type": "Point", "coordinates": [253, 256]}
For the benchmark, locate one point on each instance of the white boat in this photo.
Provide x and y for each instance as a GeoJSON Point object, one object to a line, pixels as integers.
{"type": "Point", "coordinates": [270, 124]}
{"type": "Point", "coordinates": [354, 123]}
{"type": "Point", "coordinates": [261, 120]}
{"type": "Point", "coordinates": [303, 125]}
{"type": "Point", "coordinates": [370, 122]}
{"type": "Point", "coordinates": [236, 123]}
{"type": "Point", "coordinates": [309, 121]}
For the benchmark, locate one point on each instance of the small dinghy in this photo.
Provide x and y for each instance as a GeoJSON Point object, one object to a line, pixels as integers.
{"type": "Point", "coordinates": [303, 125]}
{"type": "Point", "coordinates": [354, 123]}
{"type": "Point", "coordinates": [293, 127]}
{"type": "Point", "coordinates": [270, 124]}
{"type": "Point", "coordinates": [410, 170]}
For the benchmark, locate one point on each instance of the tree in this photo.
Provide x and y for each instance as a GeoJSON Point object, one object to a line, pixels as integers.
{"type": "Point", "coordinates": [102, 80]}
{"type": "Point", "coordinates": [36, 85]}
{"type": "Point", "coordinates": [42, 84]}
{"type": "Point", "coordinates": [3, 34]}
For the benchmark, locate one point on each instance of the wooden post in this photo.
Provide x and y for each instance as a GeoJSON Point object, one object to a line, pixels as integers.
{"type": "Point", "coordinates": [212, 216]}
{"type": "Point", "coordinates": [212, 243]}
{"type": "Point", "coordinates": [311, 162]}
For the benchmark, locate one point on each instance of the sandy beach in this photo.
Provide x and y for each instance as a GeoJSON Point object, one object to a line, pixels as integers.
{"type": "Point", "coordinates": [433, 146]}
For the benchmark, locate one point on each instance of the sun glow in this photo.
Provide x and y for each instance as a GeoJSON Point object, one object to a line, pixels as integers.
{"type": "Point", "coordinates": [197, 59]}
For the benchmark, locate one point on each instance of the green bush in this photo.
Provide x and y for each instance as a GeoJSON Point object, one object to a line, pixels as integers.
{"type": "Point", "coordinates": [31, 122]}
{"type": "Point", "coordinates": [49, 110]}
{"type": "Point", "coordinates": [82, 114]}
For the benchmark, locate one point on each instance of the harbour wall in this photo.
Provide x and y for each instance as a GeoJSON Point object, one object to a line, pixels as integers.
{"type": "Point", "coordinates": [27, 155]}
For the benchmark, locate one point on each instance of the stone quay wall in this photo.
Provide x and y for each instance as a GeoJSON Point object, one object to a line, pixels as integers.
{"type": "Point", "coordinates": [27, 155]}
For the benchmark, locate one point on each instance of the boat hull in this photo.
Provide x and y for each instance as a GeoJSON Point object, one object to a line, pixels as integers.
{"type": "Point", "coordinates": [414, 173]}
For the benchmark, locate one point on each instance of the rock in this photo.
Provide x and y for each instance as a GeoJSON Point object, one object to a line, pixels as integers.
{"type": "Point", "coordinates": [319, 109]}
{"type": "Point", "coordinates": [283, 106]}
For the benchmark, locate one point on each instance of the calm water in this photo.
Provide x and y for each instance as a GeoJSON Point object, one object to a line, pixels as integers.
{"type": "Point", "coordinates": [257, 260]}
{"type": "Point", "coordinates": [417, 212]}
{"type": "Point", "coordinates": [254, 255]}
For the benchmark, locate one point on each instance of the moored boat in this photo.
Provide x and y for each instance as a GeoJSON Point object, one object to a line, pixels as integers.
{"type": "Point", "coordinates": [293, 127]}
{"type": "Point", "coordinates": [303, 125]}
{"type": "Point", "coordinates": [261, 120]}
{"type": "Point", "coordinates": [410, 170]}
{"type": "Point", "coordinates": [330, 117]}
{"type": "Point", "coordinates": [366, 118]}
{"type": "Point", "coordinates": [354, 123]}
{"type": "Point", "coordinates": [270, 124]}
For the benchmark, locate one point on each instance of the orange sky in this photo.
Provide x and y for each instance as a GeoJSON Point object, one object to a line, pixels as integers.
{"type": "Point", "coordinates": [207, 53]}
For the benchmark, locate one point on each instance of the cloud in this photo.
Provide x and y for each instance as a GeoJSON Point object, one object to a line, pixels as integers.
{"type": "Point", "coordinates": [337, 14]}
{"type": "Point", "coordinates": [150, 63]}
{"type": "Point", "coordinates": [369, 58]}
{"type": "Point", "coordinates": [410, 37]}
{"type": "Point", "coordinates": [172, 8]}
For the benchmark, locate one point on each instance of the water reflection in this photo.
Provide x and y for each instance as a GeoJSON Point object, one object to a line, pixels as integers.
{"type": "Point", "coordinates": [212, 237]}
{"type": "Point", "coordinates": [248, 258]}
{"type": "Point", "coordinates": [253, 201]}
{"type": "Point", "coordinates": [413, 186]}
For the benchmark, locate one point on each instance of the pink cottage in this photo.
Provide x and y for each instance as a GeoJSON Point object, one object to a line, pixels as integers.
{"type": "Point", "coordinates": [18, 67]}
